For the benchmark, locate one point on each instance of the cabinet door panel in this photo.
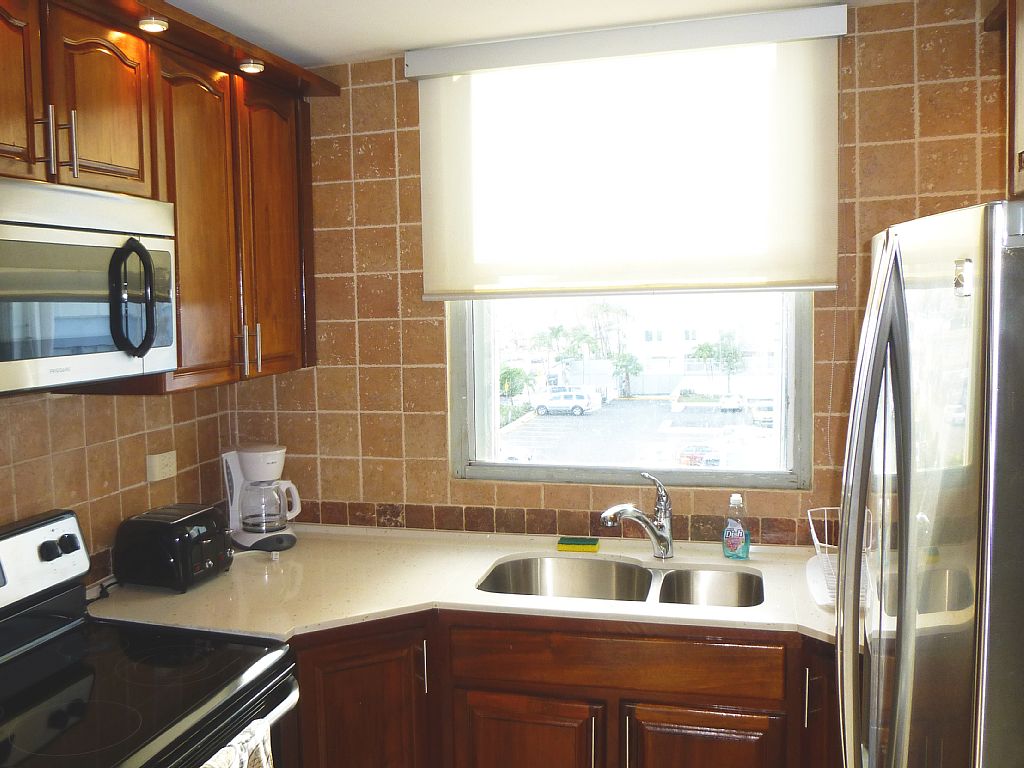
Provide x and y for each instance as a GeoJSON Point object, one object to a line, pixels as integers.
{"type": "Point", "coordinates": [103, 75]}
{"type": "Point", "coordinates": [363, 704]}
{"type": "Point", "coordinates": [21, 91]}
{"type": "Point", "coordinates": [681, 737]}
{"type": "Point", "coordinates": [271, 242]}
{"type": "Point", "coordinates": [194, 107]}
{"type": "Point", "coordinates": [508, 730]}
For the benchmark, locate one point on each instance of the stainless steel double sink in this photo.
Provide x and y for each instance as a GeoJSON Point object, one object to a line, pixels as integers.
{"type": "Point", "coordinates": [616, 580]}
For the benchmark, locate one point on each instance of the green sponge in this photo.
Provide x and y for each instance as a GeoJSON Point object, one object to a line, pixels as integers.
{"type": "Point", "coordinates": [578, 544]}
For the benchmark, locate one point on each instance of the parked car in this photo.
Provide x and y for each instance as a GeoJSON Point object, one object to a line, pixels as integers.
{"type": "Point", "coordinates": [575, 403]}
{"type": "Point", "coordinates": [732, 404]}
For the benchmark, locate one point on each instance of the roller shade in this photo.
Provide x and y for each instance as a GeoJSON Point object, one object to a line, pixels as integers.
{"type": "Point", "coordinates": [700, 169]}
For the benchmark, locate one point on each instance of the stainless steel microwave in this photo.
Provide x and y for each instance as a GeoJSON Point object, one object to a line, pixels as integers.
{"type": "Point", "coordinates": [86, 285]}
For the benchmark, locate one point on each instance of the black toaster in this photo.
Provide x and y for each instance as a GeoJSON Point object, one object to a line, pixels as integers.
{"type": "Point", "coordinates": [176, 546]}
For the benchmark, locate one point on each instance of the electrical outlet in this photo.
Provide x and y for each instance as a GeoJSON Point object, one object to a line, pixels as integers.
{"type": "Point", "coordinates": [160, 466]}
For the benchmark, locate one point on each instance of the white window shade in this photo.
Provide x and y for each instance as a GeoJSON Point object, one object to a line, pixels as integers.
{"type": "Point", "coordinates": [702, 169]}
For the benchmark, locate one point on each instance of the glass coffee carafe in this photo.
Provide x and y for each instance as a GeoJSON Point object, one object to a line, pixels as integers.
{"type": "Point", "coordinates": [267, 506]}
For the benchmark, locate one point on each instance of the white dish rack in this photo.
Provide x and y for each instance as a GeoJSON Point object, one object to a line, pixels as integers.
{"type": "Point", "coordinates": [823, 568]}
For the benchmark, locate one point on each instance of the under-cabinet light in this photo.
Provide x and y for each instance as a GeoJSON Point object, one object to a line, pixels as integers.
{"type": "Point", "coordinates": [153, 23]}
{"type": "Point", "coordinates": [251, 66]}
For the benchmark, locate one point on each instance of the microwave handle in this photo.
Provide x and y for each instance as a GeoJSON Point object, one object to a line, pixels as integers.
{"type": "Point", "coordinates": [119, 298]}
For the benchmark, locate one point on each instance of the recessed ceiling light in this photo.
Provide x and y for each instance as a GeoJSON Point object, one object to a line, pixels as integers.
{"type": "Point", "coordinates": [251, 66]}
{"type": "Point", "coordinates": [153, 23]}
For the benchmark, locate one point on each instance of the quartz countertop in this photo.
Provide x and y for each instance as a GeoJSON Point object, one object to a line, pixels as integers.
{"type": "Point", "coordinates": [339, 575]}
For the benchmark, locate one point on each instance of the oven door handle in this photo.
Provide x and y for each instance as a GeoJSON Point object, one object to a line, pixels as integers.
{"type": "Point", "coordinates": [285, 706]}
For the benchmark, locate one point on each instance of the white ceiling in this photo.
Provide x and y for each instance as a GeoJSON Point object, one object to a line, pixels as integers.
{"type": "Point", "coordinates": [318, 32]}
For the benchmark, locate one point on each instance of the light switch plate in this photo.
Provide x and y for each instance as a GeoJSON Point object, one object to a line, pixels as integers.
{"type": "Point", "coordinates": [160, 466]}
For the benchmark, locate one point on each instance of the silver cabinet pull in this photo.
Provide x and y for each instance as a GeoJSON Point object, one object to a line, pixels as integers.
{"type": "Point", "coordinates": [259, 349]}
{"type": "Point", "coordinates": [593, 741]}
{"type": "Point", "coordinates": [245, 350]}
{"type": "Point", "coordinates": [807, 695]}
{"type": "Point", "coordinates": [73, 138]}
{"type": "Point", "coordinates": [426, 686]}
{"type": "Point", "coordinates": [49, 122]}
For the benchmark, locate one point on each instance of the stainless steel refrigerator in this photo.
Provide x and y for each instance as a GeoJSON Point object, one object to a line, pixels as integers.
{"type": "Point", "coordinates": [931, 670]}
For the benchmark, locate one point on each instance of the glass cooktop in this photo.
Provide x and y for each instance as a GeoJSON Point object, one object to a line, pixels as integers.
{"type": "Point", "coordinates": [103, 695]}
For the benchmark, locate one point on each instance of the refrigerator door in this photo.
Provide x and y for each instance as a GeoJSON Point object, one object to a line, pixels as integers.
{"type": "Point", "coordinates": [946, 271]}
{"type": "Point", "coordinates": [873, 511]}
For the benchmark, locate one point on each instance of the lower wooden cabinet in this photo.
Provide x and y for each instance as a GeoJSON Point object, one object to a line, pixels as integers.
{"type": "Point", "coordinates": [660, 736]}
{"type": "Point", "coordinates": [506, 730]}
{"type": "Point", "coordinates": [457, 689]}
{"type": "Point", "coordinates": [364, 702]}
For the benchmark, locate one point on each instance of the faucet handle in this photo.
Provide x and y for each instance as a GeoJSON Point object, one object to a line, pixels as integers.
{"type": "Point", "coordinates": [663, 506]}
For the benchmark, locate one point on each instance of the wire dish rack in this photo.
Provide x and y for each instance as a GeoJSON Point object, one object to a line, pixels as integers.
{"type": "Point", "coordinates": [824, 524]}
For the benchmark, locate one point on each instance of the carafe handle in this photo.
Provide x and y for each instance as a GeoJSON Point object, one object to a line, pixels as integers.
{"type": "Point", "coordinates": [294, 505]}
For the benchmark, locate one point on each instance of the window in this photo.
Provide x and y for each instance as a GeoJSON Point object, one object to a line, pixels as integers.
{"type": "Point", "coordinates": [562, 390]}
{"type": "Point", "coordinates": [581, 217]}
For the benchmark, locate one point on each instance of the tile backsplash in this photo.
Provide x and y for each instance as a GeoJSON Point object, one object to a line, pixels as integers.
{"type": "Point", "coordinates": [922, 121]}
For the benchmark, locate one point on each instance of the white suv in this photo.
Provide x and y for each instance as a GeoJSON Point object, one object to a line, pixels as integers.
{"type": "Point", "coordinates": [575, 403]}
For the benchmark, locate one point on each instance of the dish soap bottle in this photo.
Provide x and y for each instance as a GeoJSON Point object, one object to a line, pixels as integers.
{"type": "Point", "coordinates": [735, 539]}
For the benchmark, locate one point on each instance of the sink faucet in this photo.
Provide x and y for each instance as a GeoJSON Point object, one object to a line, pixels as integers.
{"type": "Point", "coordinates": [659, 531]}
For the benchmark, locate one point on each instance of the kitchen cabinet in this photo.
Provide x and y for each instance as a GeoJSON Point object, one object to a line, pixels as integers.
{"type": "Point", "coordinates": [821, 745]}
{"type": "Point", "coordinates": [365, 696]}
{"type": "Point", "coordinates": [660, 736]}
{"type": "Point", "coordinates": [98, 81]}
{"type": "Point", "coordinates": [495, 729]}
{"type": "Point", "coordinates": [271, 237]}
{"type": "Point", "coordinates": [21, 91]}
{"type": "Point", "coordinates": [681, 696]}
{"type": "Point", "coordinates": [194, 119]}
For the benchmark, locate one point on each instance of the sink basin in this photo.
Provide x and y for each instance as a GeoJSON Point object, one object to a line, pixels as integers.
{"type": "Point", "coordinates": [569, 577]}
{"type": "Point", "coordinates": [737, 589]}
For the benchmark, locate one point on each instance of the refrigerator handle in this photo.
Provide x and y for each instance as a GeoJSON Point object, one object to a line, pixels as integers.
{"type": "Point", "coordinates": [867, 384]}
{"type": "Point", "coordinates": [899, 366]}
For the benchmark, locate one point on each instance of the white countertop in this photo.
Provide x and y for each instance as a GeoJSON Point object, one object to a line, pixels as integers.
{"type": "Point", "coordinates": [340, 575]}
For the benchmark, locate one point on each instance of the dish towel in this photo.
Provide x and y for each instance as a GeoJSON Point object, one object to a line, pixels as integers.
{"type": "Point", "coordinates": [249, 749]}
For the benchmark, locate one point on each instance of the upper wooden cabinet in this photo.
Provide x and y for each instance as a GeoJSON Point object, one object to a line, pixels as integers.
{"type": "Point", "coordinates": [194, 118]}
{"type": "Point", "coordinates": [271, 241]}
{"type": "Point", "coordinates": [21, 91]}
{"type": "Point", "coordinates": [98, 81]}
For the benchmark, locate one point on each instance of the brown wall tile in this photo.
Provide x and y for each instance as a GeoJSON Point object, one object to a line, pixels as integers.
{"type": "Point", "coordinates": [380, 388]}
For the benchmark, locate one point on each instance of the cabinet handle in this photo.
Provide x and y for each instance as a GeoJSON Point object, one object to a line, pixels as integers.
{"type": "Point", "coordinates": [807, 695]}
{"type": "Point", "coordinates": [245, 350]}
{"type": "Point", "coordinates": [1020, 161]}
{"type": "Point", "coordinates": [593, 741]}
{"type": "Point", "coordinates": [51, 139]}
{"type": "Point", "coordinates": [259, 349]}
{"type": "Point", "coordinates": [73, 127]}
{"type": "Point", "coordinates": [426, 686]}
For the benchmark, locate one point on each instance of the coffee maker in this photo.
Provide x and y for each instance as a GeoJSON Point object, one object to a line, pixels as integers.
{"type": "Point", "coordinates": [260, 503]}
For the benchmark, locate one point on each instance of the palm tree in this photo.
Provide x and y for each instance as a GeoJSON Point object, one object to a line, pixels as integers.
{"type": "Point", "coordinates": [625, 365]}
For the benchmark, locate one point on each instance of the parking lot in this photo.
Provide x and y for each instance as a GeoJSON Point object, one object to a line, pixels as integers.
{"type": "Point", "coordinates": [641, 433]}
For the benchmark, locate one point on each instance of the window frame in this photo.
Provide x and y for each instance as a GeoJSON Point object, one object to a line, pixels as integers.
{"type": "Point", "coordinates": [465, 350]}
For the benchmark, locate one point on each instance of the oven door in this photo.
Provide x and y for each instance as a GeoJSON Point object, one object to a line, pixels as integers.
{"type": "Point", "coordinates": [273, 698]}
{"type": "Point", "coordinates": [81, 306]}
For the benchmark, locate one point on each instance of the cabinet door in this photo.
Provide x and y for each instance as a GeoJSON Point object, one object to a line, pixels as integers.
{"type": "Point", "coordinates": [510, 730]}
{"type": "Point", "coordinates": [22, 143]}
{"type": "Point", "coordinates": [103, 75]}
{"type": "Point", "coordinates": [363, 703]}
{"type": "Point", "coordinates": [194, 111]}
{"type": "Point", "coordinates": [271, 240]}
{"type": "Point", "coordinates": [658, 736]}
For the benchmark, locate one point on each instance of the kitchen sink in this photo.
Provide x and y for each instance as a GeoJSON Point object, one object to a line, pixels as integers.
{"type": "Point", "coordinates": [737, 589]}
{"type": "Point", "coordinates": [569, 577]}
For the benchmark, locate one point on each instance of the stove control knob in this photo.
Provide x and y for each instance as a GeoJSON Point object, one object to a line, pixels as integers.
{"type": "Point", "coordinates": [69, 543]}
{"type": "Point", "coordinates": [49, 550]}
